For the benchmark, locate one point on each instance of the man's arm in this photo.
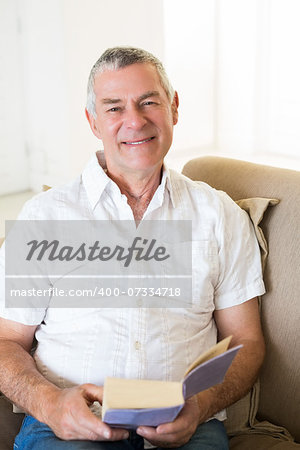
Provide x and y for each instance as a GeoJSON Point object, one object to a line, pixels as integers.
{"type": "Point", "coordinates": [64, 410]}
{"type": "Point", "coordinates": [243, 323]}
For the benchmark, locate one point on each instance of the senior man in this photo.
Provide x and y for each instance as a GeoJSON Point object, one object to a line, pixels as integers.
{"type": "Point", "coordinates": [133, 108]}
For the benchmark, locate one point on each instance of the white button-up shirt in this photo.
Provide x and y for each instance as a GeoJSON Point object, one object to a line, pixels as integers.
{"type": "Point", "coordinates": [82, 345]}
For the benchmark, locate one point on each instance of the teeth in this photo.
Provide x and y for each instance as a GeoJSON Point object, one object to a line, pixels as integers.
{"type": "Point", "coordinates": [138, 142]}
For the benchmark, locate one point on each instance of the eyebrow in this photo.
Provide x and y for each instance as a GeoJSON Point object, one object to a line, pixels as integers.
{"type": "Point", "coordinates": [109, 101]}
{"type": "Point", "coordinates": [148, 94]}
{"type": "Point", "coordinates": [106, 101]}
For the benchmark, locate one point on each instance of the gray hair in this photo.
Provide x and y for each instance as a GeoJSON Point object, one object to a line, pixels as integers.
{"type": "Point", "coordinates": [118, 57]}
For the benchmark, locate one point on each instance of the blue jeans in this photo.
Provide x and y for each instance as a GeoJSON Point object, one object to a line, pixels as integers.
{"type": "Point", "coordinates": [35, 435]}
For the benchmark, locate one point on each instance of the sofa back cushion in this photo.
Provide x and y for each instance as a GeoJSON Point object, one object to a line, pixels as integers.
{"type": "Point", "coordinates": [279, 382]}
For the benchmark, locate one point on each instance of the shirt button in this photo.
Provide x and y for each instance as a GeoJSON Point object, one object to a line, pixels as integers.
{"type": "Point", "coordinates": [137, 345]}
{"type": "Point", "coordinates": [139, 302]}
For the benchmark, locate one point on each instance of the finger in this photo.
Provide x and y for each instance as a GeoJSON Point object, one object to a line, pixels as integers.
{"type": "Point", "coordinates": [177, 426]}
{"type": "Point", "coordinates": [171, 427]}
{"type": "Point", "coordinates": [88, 426]}
{"type": "Point", "coordinates": [151, 434]}
{"type": "Point", "coordinates": [117, 434]}
{"type": "Point", "coordinates": [184, 421]}
{"type": "Point", "coordinates": [92, 392]}
{"type": "Point", "coordinates": [102, 433]}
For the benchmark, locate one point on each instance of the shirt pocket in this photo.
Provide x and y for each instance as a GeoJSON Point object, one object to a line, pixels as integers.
{"type": "Point", "coordinates": [204, 274]}
{"type": "Point", "coordinates": [191, 269]}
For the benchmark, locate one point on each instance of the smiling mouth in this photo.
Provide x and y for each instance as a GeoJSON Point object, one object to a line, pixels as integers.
{"type": "Point", "coordinates": [138, 142]}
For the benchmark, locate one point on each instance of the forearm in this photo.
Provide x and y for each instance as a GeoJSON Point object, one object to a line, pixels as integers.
{"type": "Point", "coordinates": [238, 381]}
{"type": "Point", "coordinates": [21, 382]}
{"type": "Point", "coordinates": [65, 411]}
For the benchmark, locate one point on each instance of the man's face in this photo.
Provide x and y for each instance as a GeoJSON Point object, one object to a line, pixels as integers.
{"type": "Point", "coordinates": [134, 120]}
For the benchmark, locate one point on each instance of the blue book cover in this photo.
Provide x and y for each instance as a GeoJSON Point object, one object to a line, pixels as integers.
{"type": "Point", "coordinates": [130, 403]}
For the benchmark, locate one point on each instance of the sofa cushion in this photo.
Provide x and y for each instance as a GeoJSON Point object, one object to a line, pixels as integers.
{"type": "Point", "coordinates": [10, 424]}
{"type": "Point", "coordinates": [256, 207]}
{"type": "Point", "coordinates": [241, 415]}
{"type": "Point", "coordinates": [261, 442]}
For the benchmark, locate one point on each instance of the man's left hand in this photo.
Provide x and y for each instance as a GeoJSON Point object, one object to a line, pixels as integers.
{"type": "Point", "coordinates": [177, 433]}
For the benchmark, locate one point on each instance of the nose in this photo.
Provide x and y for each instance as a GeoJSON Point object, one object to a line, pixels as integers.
{"type": "Point", "coordinates": [134, 118]}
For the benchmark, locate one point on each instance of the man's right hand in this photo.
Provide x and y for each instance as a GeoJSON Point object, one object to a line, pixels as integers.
{"type": "Point", "coordinates": [67, 413]}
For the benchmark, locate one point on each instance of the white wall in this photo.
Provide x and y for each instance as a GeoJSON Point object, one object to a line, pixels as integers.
{"type": "Point", "coordinates": [89, 28]}
{"type": "Point", "coordinates": [189, 37]}
{"type": "Point", "coordinates": [14, 173]}
{"type": "Point", "coordinates": [283, 135]}
{"type": "Point", "coordinates": [45, 91]}
{"type": "Point", "coordinates": [236, 75]}
{"type": "Point", "coordinates": [234, 63]}
{"type": "Point", "coordinates": [61, 40]}
{"type": "Point", "coordinates": [258, 89]}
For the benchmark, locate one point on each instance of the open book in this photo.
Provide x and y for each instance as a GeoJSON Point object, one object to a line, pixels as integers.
{"type": "Point", "coordinates": [128, 403]}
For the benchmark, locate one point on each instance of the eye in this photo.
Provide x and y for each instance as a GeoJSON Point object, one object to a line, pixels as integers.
{"type": "Point", "coordinates": [114, 109]}
{"type": "Point", "coordinates": [148, 103]}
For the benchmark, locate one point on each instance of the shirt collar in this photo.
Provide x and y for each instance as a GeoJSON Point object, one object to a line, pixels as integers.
{"type": "Point", "coordinates": [170, 185]}
{"type": "Point", "coordinates": [166, 185]}
{"type": "Point", "coordinates": [95, 180]}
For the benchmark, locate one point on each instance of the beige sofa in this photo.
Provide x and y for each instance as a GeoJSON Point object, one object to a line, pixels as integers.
{"type": "Point", "coordinates": [278, 401]}
{"type": "Point", "coordinates": [269, 416]}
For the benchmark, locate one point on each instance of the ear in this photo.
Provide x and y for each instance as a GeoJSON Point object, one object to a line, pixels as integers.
{"type": "Point", "coordinates": [92, 121]}
{"type": "Point", "coordinates": [175, 104]}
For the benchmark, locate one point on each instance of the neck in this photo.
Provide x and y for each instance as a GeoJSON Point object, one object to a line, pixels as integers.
{"type": "Point", "coordinates": [139, 190]}
{"type": "Point", "coordinates": [137, 186]}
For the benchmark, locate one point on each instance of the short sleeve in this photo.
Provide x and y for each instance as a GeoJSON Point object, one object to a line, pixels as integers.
{"type": "Point", "coordinates": [26, 316]}
{"type": "Point", "coordinates": [240, 271]}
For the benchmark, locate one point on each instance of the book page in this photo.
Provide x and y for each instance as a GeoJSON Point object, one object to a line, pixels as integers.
{"type": "Point", "coordinates": [121, 393]}
{"type": "Point", "coordinates": [216, 350]}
